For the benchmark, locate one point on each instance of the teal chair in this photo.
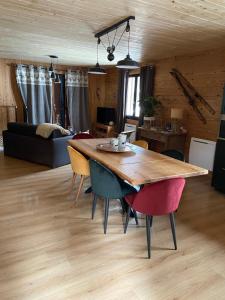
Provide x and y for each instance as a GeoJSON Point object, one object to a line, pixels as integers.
{"type": "Point", "coordinates": [174, 154]}
{"type": "Point", "coordinates": [107, 185]}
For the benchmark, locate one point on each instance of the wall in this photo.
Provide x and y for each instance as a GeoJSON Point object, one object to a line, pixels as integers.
{"type": "Point", "coordinates": [103, 91]}
{"type": "Point", "coordinates": [206, 72]}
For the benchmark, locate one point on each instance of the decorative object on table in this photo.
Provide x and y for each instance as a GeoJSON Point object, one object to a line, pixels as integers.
{"type": "Point", "coordinates": [107, 185]}
{"type": "Point", "coordinates": [165, 197]}
{"type": "Point", "coordinates": [149, 107]}
{"type": "Point", "coordinates": [107, 147]}
{"type": "Point", "coordinates": [80, 166]}
{"type": "Point", "coordinates": [130, 128]}
{"type": "Point", "coordinates": [126, 63]}
{"type": "Point", "coordinates": [114, 143]}
{"type": "Point", "coordinates": [122, 138]}
{"type": "Point", "coordinates": [176, 117]}
{"type": "Point", "coordinates": [194, 98]}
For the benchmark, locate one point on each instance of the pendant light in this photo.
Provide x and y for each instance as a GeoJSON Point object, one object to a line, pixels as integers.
{"type": "Point", "coordinates": [97, 69]}
{"type": "Point", "coordinates": [128, 63]}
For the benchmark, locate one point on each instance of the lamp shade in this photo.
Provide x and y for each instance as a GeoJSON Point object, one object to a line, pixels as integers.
{"type": "Point", "coordinates": [127, 63]}
{"type": "Point", "coordinates": [176, 113]}
{"type": "Point", "coordinates": [97, 70]}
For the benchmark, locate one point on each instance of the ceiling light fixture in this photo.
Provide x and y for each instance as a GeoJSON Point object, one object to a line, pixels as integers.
{"type": "Point", "coordinates": [97, 69]}
{"type": "Point", "coordinates": [126, 63]}
{"type": "Point", "coordinates": [51, 70]}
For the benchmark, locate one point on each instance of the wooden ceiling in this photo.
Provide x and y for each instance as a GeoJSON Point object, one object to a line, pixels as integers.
{"type": "Point", "coordinates": [32, 29]}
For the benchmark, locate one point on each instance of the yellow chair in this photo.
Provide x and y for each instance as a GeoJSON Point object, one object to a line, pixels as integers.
{"type": "Point", "coordinates": [141, 143]}
{"type": "Point", "coordinates": [79, 165]}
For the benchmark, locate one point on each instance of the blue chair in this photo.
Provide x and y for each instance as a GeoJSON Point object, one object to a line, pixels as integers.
{"type": "Point", "coordinates": [174, 154]}
{"type": "Point", "coordinates": [107, 185]}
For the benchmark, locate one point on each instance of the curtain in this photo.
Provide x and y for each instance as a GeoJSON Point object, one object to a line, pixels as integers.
{"type": "Point", "coordinates": [147, 76]}
{"type": "Point", "coordinates": [77, 100]}
{"type": "Point", "coordinates": [122, 99]}
{"type": "Point", "coordinates": [35, 86]}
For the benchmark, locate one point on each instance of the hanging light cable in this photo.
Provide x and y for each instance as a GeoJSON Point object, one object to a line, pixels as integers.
{"type": "Point", "coordinates": [128, 63]}
{"type": "Point", "coordinates": [97, 69]}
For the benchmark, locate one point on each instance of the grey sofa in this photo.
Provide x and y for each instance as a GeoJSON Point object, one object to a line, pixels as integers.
{"type": "Point", "coordinates": [20, 141]}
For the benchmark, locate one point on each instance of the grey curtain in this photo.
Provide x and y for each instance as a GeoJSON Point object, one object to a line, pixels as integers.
{"type": "Point", "coordinates": [122, 99]}
{"type": "Point", "coordinates": [35, 86]}
{"type": "Point", "coordinates": [77, 100]}
{"type": "Point", "coordinates": [147, 79]}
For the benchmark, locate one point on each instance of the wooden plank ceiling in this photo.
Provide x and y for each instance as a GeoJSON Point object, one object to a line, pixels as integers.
{"type": "Point", "coordinates": [30, 30]}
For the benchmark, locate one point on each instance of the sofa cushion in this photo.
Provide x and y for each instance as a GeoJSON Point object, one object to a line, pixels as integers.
{"type": "Point", "coordinates": [22, 128]}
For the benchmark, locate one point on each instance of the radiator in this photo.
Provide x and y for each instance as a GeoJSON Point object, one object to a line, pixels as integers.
{"type": "Point", "coordinates": [202, 153]}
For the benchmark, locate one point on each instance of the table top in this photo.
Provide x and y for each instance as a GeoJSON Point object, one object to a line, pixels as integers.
{"type": "Point", "coordinates": [140, 166]}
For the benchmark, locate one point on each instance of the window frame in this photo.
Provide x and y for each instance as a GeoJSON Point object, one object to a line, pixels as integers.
{"type": "Point", "coordinates": [133, 117]}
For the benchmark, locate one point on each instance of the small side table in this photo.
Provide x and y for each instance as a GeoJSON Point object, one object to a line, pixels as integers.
{"type": "Point", "coordinates": [169, 140]}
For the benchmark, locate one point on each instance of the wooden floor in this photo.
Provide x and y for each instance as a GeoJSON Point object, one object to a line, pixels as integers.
{"type": "Point", "coordinates": [50, 249]}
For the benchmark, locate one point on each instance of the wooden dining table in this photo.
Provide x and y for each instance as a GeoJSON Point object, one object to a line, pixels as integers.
{"type": "Point", "coordinates": [139, 166]}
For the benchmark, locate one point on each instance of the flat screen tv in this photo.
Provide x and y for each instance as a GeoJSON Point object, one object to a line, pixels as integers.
{"type": "Point", "coordinates": [106, 115]}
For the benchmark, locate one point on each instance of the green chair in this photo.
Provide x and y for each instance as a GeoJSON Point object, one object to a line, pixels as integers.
{"type": "Point", "coordinates": [107, 185]}
{"type": "Point", "coordinates": [174, 154]}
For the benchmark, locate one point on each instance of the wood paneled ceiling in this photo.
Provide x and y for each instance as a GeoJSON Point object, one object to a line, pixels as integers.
{"type": "Point", "coordinates": [32, 29]}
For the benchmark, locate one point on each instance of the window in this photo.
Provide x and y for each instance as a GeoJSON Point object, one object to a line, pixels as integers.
{"type": "Point", "coordinates": [133, 91]}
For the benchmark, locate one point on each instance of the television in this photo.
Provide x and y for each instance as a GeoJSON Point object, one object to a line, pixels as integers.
{"type": "Point", "coordinates": [106, 115]}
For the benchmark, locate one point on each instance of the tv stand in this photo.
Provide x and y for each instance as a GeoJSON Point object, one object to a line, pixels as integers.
{"type": "Point", "coordinates": [103, 131]}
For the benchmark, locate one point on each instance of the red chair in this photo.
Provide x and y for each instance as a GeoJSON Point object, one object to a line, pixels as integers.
{"type": "Point", "coordinates": [82, 135]}
{"type": "Point", "coordinates": [156, 199]}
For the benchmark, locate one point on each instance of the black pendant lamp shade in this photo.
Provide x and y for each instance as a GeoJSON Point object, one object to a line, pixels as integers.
{"type": "Point", "coordinates": [57, 79]}
{"type": "Point", "coordinates": [127, 63]}
{"type": "Point", "coordinates": [97, 70]}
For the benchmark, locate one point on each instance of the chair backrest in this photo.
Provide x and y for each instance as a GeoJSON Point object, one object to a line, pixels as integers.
{"type": "Point", "coordinates": [158, 198]}
{"type": "Point", "coordinates": [174, 154]}
{"type": "Point", "coordinates": [79, 163]}
{"type": "Point", "coordinates": [103, 181]}
{"type": "Point", "coordinates": [141, 143]}
{"type": "Point", "coordinates": [83, 135]}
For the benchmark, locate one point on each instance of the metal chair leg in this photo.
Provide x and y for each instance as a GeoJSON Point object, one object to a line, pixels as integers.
{"type": "Point", "coordinates": [173, 228]}
{"type": "Point", "coordinates": [148, 233]}
{"type": "Point", "coordinates": [94, 206]}
{"type": "Point", "coordinates": [106, 214]}
{"type": "Point", "coordinates": [135, 216]}
{"type": "Point", "coordinates": [123, 205]}
{"type": "Point", "coordinates": [151, 221]}
{"type": "Point", "coordinates": [127, 219]}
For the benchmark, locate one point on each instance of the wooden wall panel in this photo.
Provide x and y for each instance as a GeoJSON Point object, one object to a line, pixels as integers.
{"type": "Point", "coordinates": [206, 72]}
{"type": "Point", "coordinates": [103, 90]}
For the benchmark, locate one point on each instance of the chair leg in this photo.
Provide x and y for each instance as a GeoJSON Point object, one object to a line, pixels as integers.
{"type": "Point", "coordinates": [127, 219]}
{"type": "Point", "coordinates": [151, 221]}
{"type": "Point", "coordinates": [123, 205]}
{"type": "Point", "coordinates": [94, 206]}
{"type": "Point", "coordinates": [135, 216]}
{"type": "Point", "coordinates": [148, 233]}
{"type": "Point", "coordinates": [79, 188]}
{"type": "Point", "coordinates": [173, 227]}
{"type": "Point", "coordinates": [73, 180]}
{"type": "Point", "coordinates": [106, 214]}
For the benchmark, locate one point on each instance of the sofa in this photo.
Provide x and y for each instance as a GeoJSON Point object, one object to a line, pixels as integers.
{"type": "Point", "coordinates": [20, 141]}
